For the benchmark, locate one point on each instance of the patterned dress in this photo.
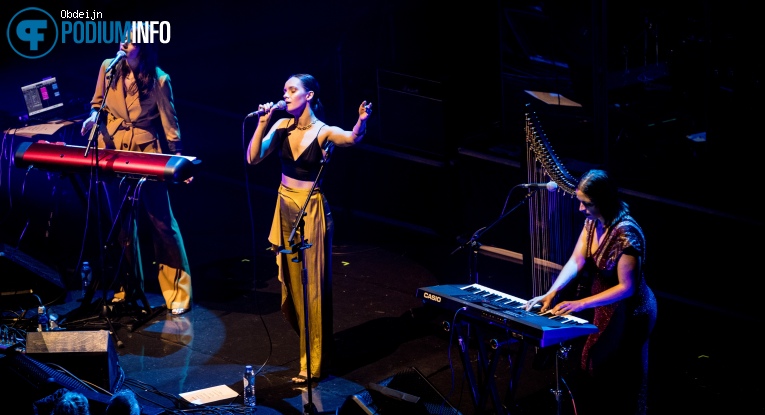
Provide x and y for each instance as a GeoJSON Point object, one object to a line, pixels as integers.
{"type": "Point", "coordinates": [616, 357]}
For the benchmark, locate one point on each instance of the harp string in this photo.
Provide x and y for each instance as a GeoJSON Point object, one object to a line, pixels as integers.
{"type": "Point", "coordinates": [552, 214]}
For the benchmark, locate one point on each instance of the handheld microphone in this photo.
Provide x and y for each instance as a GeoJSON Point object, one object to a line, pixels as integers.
{"type": "Point", "coordinates": [551, 186]}
{"type": "Point", "coordinates": [281, 105]}
{"type": "Point", "coordinates": [120, 56]}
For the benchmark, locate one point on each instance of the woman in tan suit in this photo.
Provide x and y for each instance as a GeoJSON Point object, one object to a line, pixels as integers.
{"type": "Point", "coordinates": [139, 115]}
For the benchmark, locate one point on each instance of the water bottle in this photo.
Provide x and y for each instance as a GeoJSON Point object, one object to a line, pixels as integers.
{"type": "Point", "coordinates": [86, 274]}
{"type": "Point", "coordinates": [249, 386]}
{"type": "Point", "coordinates": [42, 319]}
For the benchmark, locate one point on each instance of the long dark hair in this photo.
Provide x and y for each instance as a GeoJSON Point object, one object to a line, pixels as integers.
{"type": "Point", "coordinates": [311, 84]}
{"type": "Point", "coordinates": [604, 193]}
{"type": "Point", "coordinates": [145, 74]}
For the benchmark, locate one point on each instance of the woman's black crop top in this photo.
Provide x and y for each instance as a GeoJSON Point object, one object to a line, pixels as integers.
{"type": "Point", "coordinates": [307, 165]}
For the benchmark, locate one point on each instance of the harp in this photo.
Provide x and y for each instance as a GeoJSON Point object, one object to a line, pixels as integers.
{"type": "Point", "coordinates": [554, 221]}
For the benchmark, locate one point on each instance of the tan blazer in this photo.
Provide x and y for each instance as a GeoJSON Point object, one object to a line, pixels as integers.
{"type": "Point", "coordinates": [131, 123]}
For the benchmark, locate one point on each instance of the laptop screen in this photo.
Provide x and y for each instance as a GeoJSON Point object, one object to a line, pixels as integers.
{"type": "Point", "coordinates": [42, 97]}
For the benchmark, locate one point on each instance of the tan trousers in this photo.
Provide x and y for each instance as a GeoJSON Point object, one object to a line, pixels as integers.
{"type": "Point", "coordinates": [317, 231]}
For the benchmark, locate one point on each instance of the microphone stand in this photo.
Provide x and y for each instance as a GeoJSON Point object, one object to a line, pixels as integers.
{"type": "Point", "coordinates": [93, 129]}
{"type": "Point", "coordinates": [473, 264]}
{"type": "Point", "coordinates": [310, 408]}
{"type": "Point", "coordinates": [561, 354]}
{"type": "Point", "coordinates": [104, 312]}
{"type": "Point", "coordinates": [476, 246]}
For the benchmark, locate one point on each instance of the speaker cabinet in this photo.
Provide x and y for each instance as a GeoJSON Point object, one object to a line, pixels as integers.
{"type": "Point", "coordinates": [89, 355]}
{"type": "Point", "coordinates": [411, 114]}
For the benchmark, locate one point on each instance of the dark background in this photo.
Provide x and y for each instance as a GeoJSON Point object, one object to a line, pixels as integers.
{"type": "Point", "coordinates": [446, 143]}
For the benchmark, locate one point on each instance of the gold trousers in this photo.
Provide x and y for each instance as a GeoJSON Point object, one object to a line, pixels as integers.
{"type": "Point", "coordinates": [315, 231]}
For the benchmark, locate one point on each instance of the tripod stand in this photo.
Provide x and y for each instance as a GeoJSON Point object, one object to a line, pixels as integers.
{"type": "Point", "coordinates": [298, 248]}
{"type": "Point", "coordinates": [132, 282]}
{"type": "Point", "coordinates": [96, 165]}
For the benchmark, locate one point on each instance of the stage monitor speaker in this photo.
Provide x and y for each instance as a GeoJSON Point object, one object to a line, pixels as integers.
{"type": "Point", "coordinates": [411, 114]}
{"type": "Point", "coordinates": [88, 355]}
{"type": "Point", "coordinates": [407, 392]}
{"type": "Point", "coordinates": [22, 274]}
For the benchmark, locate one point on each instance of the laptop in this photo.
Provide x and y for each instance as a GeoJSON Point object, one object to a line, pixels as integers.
{"type": "Point", "coordinates": [44, 101]}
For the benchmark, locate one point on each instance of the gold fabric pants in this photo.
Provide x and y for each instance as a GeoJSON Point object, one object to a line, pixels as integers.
{"type": "Point", "coordinates": [315, 231]}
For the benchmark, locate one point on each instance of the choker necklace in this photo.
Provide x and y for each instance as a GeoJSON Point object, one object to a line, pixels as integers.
{"type": "Point", "coordinates": [307, 126]}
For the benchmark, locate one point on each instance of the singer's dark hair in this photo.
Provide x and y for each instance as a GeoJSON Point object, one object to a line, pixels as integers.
{"type": "Point", "coordinates": [603, 192]}
{"type": "Point", "coordinates": [145, 74]}
{"type": "Point", "coordinates": [311, 84]}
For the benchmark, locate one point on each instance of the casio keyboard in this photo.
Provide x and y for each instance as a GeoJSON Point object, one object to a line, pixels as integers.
{"type": "Point", "coordinates": [498, 308]}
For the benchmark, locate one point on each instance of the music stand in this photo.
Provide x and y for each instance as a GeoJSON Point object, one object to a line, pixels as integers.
{"type": "Point", "coordinates": [310, 408]}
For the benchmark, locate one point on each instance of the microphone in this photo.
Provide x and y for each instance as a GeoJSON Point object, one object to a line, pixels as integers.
{"type": "Point", "coordinates": [120, 56]}
{"type": "Point", "coordinates": [551, 186]}
{"type": "Point", "coordinates": [281, 105]}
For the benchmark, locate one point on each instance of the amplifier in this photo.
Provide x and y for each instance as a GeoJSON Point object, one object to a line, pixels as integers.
{"type": "Point", "coordinates": [411, 113]}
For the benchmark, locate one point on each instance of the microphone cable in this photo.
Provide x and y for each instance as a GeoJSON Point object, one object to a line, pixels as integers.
{"type": "Point", "coordinates": [252, 244]}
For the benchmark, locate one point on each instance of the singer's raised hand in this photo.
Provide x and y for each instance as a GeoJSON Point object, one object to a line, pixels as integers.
{"type": "Point", "coordinates": [365, 110]}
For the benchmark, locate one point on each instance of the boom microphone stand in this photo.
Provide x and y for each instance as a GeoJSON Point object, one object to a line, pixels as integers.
{"type": "Point", "coordinates": [95, 178]}
{"type": "Point", "coordinates": [310, 408]}
{"type": "Point", "coordinates": [476, 246]}
{"type": "Point", "coordinates": [485, 389]}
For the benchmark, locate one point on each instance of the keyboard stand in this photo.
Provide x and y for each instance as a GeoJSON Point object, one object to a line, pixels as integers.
{"type": "Point", "coordinates": [481, 377]}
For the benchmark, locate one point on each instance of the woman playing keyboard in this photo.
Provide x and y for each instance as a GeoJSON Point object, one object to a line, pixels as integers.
{"type": "Point", "coordinates": [611, 253]}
